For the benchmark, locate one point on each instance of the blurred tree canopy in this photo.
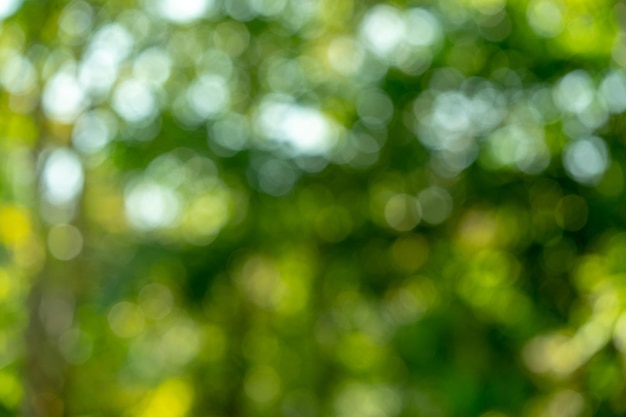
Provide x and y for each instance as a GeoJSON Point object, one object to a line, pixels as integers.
{"type": "Point", "coordinates": [309, 208]}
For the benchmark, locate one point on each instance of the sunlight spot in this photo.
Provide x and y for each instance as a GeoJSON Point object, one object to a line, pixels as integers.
{"type": "Point", "coordinates": [113, 38]}
{"type": "Point", "coordinates": [305, 130]}
{"type": "Point", "coordinates": [184, 11]}
{"type": "Point", "coordinates": [62, 177]}
{"type": "Point", "coordinates": [586, 160]}
{"type": "Point", "coordinates": [172, 398]}
{"type": "Point", "coordinates": [613, 90]}
{"type": "Point", "coordinates": [383, 29]}
{"type": "Point", "coordinates": [180, 343]}
{"type": "Point", "coordinates": [18, 75]}
{"type": "Point", "coordinates": [566, 403]}
{"type": "Point", "coordinates": [63, 98]}
{"type": "Point", "coordinates": [93, 131]}
{"type": "Point", "coordinates": [108, 48]}
{"type": "Point", "coordinates": [545, 17]}
{"type": "Point", "coordinates": [345, 55]}
{"type": "Point", "coordinates": [520, 147]}
{"type": "Point", "coordinates": [363, 400]}
{"type": "Point", "coordinates": [9, 7]}
{"type": "Point", "coordinates": [153, 66]}
{"type": "Point", "coordinates": [451, 112]}
{"type": "Point", "coordinates": [134, 101]}
{"type": "Point", "coordinates": [268, 7]}
{"type": "Point", "coordinates": [575, 92]}
{"type": "Point", "coordinates": [215, 62]}
{"type": "Point", "coordinates": [422, 28]}
{"type": "Point", "coordinates": [15, 226]}
{"type": "Point", "coordinates": [76, 19]}
{"type": "Point", "coordinates": [208, 96]}
{"type": "Point", "coordinates": [150, 205]}
{"type": "Point", "coordinates": [98, 71]}
{"type": "Point", "coordinates": [205, 218]}
{"type": "Point", "coordinates": [231, 131]}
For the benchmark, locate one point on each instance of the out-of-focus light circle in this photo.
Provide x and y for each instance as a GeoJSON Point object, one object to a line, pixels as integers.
{"type": "Point", "coordinates": [613, 91]}
{"type": "Point", "coordinates": [488, 108]}
{"type": "Point", "coordinates": [97, 72]}
{"type": "Point", "coordinates": [345, 55]}
{"type": "Point", "coordinates": [586, 160]}
{"type": "Point", "coordinates": [403, 212]}
{"type": "Point", "coordinates": [156, 301]}
{"type": "Point", "coordinates": [215, 62]}
{"type": "Point", "coordinates": [9, 7]}
{"type": "Point", "coordinates": [363, 399]}
{"type": "Point", "coordinates": [180, 343]}
{"type": "Point", "coordinates": [126, 319]}
{"type": "Point", "coordinates": [114, 40]}
{"type": "Point", "coordinates": [383, 29]}
{"type": "Point", "coordinates": [276, 177]}
{"type": "Point", "coordinates": [62, 177]}
{"type": "Point", "coordinates": [18, 75]}
{"type": "Point", "coordinates": [286, 75]}
{"type": "Point", "coordinates": [76, 19]}
{"type": "Point", "coordinates": [231, 131]}
{"type": "Point", "coordinates": [134, 101]}
{"type": "Point", "coordinates": [168, 170]}
{"type": "Point", "coordinates": [545, 17]}
{"type": "Point", "coordinates": [575, 91]}
{"type": "Point", "coordinates": [204, 219]}
{"type": "Point", "coordinates": [374, 107]}
{"type": "Point", "coordinates": [268, 7]}
{"type": "Point", "coordinates": [153, 66]}
{"type": "Point", "coordinates": [489, 7]}
{"type": "Point", "coordinates": [436, 205]}
{"type": "Point", "coordinates": [63, 98]}
{"type": "Point", "coordinates": [233, 37]}
{"type": "Point", "coordinates": [422, 28]}
{"type": "Point", "coordinates": [240, 10]}
{"type": "Point", "coordinates": [184, 11]}
{"type": "Point", "coordinates": [65, 242]}
{"type": "Point", "coordinates": [306, 130]}
{"type": "Point", "coordinates": [208, 96]}
{"type": "Point", "coordinates": [150, 205]}
{"type": "Point", "coordinates": [451, 112]}
{"type": "Point", "coordinates": [519, 146]}
{"type": "Point", "coordinates": [93, 131]}
{"type": "Point", "coordinates": [595, 115]}
{"type": "Point", "coordinates": [108, 48]}
{"type": "Point", "coordinates": [262, 384]}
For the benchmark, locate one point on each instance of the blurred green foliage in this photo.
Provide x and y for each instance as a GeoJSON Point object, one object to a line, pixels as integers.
{"type": "Point", "coordinates": [312, 208]}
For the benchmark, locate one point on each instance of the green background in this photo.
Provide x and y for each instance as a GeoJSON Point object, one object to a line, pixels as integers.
{"type": "Point", "coordinates": [310, 208]}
